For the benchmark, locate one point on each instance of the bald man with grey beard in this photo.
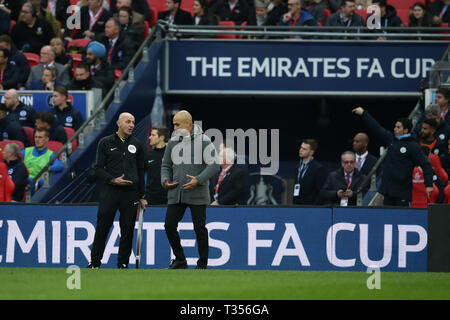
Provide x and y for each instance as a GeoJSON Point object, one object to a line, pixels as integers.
{"type": "Point", "coordinates": [364, 160]}
{"type": "Point", "coordinates": [120, 166]}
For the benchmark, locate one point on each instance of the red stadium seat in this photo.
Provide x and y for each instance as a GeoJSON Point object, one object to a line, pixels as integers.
{"type": "Point", "coordinates": [447, 194]}
{"type": "Point", "coordinates": [226, 36]}
{"type": "Point", "coordinates": [74, 2]}
{"type": "Point", "coordinates": [5, 142]}
{"type": "Point", "coordinates": [77, 58]}
{"type": "Point", "coordinates": [419, 198]}
{"type": "Point", "coordinates": [146, 26]}
{"type": "Point", "coordinates": [30, 134]}
{"type": "Point", "coordinates": [70, 132]}
{"type": "Point", "coordinates": [33, 58]}
{"type": "Point", "coordinates": [158, 5]}
{"type": "Point", "coordinates": [78, 43]}
{"type": "Point", "coordinates": [326, 14]}
{"type": "Point", "coordinates": [11, 25]}
{"type": "Point", "coordinates": [55, 146]}
{"type": "Point", "coordinates": [154, 17]}
{"type": "Point", "coordinates": [403, 14]}
{"type": "Point", "coordinates": [404, 4]}
{"type": "Point", "coordinates": [6, 184]}
{"type": "Point", "coordinates": [117, 74]}
{"type": "Point", "coordinates": [187, 5]}
{"type": "Point", "coordinates": [437, 166]}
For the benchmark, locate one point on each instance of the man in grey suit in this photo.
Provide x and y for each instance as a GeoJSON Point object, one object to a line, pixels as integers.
{"type": "Point", "coordinates": [47, 56]}
{"type": "Point", "coordinates": [189, 162]}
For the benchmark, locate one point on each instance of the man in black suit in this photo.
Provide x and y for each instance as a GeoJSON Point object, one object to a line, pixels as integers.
{"type": "Point", "coordinates": [310, 175]}
{"type": "Point", "coordinates": [93, 18]}
{"type": "Point", "coordinates": [119, 49]}
{"type": "Point", "coordinates": [342, 184]}
{"type": "Point", "coordinates": [364, 160]}
{"type": "Point", "coordinates": [229, 186]}
{"type": "Point", "coordinates": [175, 15]}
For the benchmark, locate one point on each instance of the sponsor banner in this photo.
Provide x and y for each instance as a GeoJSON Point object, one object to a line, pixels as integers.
{"type": "Point", "coordinates": [266, 238]}
{"type": "Point", "coordinates": [42, 100]}
{"type": "Point", "coordinates": [297, 68]}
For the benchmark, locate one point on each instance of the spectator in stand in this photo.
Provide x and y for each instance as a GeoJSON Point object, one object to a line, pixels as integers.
{"type": "Point", "coordinates": [437, 181]}
{"type": "Point", "coordinates": [389, 16]}
{"type": "Point", "coordinates": [429, 139]}
{"type": "Point", "coordinates": [10, 128]}
{"type": "Point", "coordinates": [9, 73]}
{"type": "Point", "coordinates": [5, 21]}
{"type": "Point", "coordinates": [119, 49]}
{"type": "Point", "coordinates": [310, 175]}
{"type": "Point", "coordinates": [258, 15]}
{"type": "Point", "coordinates": [316, 8]}
{"type": "Point", "coordinates": [442, 99]}
{"type": "Point", "coordinates": [12, 7]}
{"type": "Point", "coordinates": [48, 59]}
{"type": "Point", "coordinates": [202, 17]}
{"type": "Point", "coordinates": [175, 15]}
{"type": "Point", "coordinates": [83, 80]}
{"type": "Point", "coordinates": [402, 156]}
{"type": "Point", "coordinates": [58, 8]}
{"type": "Point", "coordinates": [48, 80]}
{"type": "Point", "coordinates": [17, 110]}
{"type": "Point", "coordinates": [46, 121]}
{"type": "Point", "coordinates": [438, 12]}
{"type": "Point", "coordinates": [130, 30]}
{"type": "Point", "coordinates": [275, 10]}
{"type": "Point", "coordinates": [17, 58]}
{"type": "Point", "coordinates": [232, 10]}
{"type": "Point", "coordinates": [228, 187]}
{"type": "Point", "coordinates": [65, 114]}
{"type": "Point", "coordinates": [60, 54]}
{"type": "Point", "coordinates": [135, 18]}
{"type": "Point", "coordinates": [100, 70]}
{"type": "Point", "coordinates": [418, 16]}
{"type": "Point", "coordinates": [45, 14]}
{"type": "Point", "coordinates": [433, 111]}
{"type": "Point", "coordinates": [36, 158]}
{"type": "Point", "coordinates": [341, 185]}
{"type": "Point", "coordinates": [139, 6]}
{"type": "Point", "coordinates": [31, 33]}
{"type": "Point", "coordinates": [297, 16]}
{"type": "Point", "coordinates": [16, 170]}
{"type": "Point", "coordinates": [364, 160]}
{"type": "Point", "coordinates": [93, 18]}
{"type": "Point", "coordinates": [346, 17]}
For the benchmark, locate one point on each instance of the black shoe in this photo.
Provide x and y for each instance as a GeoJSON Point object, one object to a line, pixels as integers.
{"type": "Point", "coordinates": [93, 266]}
{"type": "Point", "coordinates": [176, 264]}
{"type": "Point", "coordinates": [122, 266]}
{"type": "Point", "coordinates": [200, 266]}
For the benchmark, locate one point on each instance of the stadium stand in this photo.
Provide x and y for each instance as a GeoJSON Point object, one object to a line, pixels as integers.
{"type": "Point", "coordinates": [70, 132]}
{"type": "Point", "coordinates": [29, 132]}
{"type": "Point", "coordinates": [33, 59]}
{"type": "Point", "coordinates": [419, 197]}
{"type": "Point", "coordinates": [226, 36]}
{"type": "Point", "coordinates": [55, 146]}
{"type": "Point", "coordinates": [5, 142]}
{"type": "Point", "coordinates": [11, 25]}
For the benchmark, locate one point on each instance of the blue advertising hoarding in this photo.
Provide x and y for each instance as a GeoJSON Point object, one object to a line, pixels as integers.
{"type": "Point", "coordinates": [263, 238]}
{"type": "Point", "coordinates": [288, 67]}
{"type": "Point", "coordinates": [42, 100]}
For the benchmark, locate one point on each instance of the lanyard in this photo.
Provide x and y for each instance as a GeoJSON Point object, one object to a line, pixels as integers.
{"type": "Point", "coordinates": [348, 181]}
{"type": "Point", "coordinates": [444, 10]}
{"type": "Point", "coordinates": [221, 176]}
{"type": "Point", "coordinates": [302, 170]}
{"type": "Point", "coordinates": [95, 18]}
{"type": "Point", "coordinates": [1, 75]}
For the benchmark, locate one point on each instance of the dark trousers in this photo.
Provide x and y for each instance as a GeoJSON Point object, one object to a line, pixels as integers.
{"type": "Point", "coordinates": [113, 199]}
{"type": "Point", "coordinates": [175, 213]}
{"type": "Point", "coordinates": [392, 201]}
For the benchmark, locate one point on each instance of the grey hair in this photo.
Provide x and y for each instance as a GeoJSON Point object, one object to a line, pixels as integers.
{"type": "Point", "coordinates": [348, 152]}
{"type": "Point", "coordinates": [433, 110]}
{"type": "Point", "coordinates": [14, 148]}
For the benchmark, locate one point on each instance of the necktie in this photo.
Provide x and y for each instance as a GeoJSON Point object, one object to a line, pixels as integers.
{"type": "Point", "coordinates": [358, 162]}
{"type": "Point", "coordinates": [302, 172]}
{"type": "Point", "coordinates": [444, 10]}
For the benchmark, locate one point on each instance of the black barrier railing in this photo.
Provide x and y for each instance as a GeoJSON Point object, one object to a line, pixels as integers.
{"type": "Point", "coordinates": [308, 32]}
{"type": "Point", "coordinates": [98, 115]}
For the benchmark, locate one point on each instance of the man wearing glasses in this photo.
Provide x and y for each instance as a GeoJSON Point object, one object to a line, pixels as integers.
{"type": "Point", "coordinates": [342, 184]}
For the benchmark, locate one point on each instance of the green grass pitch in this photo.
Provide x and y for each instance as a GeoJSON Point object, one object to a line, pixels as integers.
{"type": "Point", "coordinates": [51, 283]}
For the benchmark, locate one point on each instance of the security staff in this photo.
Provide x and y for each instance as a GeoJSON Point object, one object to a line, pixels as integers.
{"type": "Point", "coordinates": [120, 165]}
{"type": "Point", "coordinates": [65, 114]}
{"type": "Point", "coordinates": [155, 193]}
